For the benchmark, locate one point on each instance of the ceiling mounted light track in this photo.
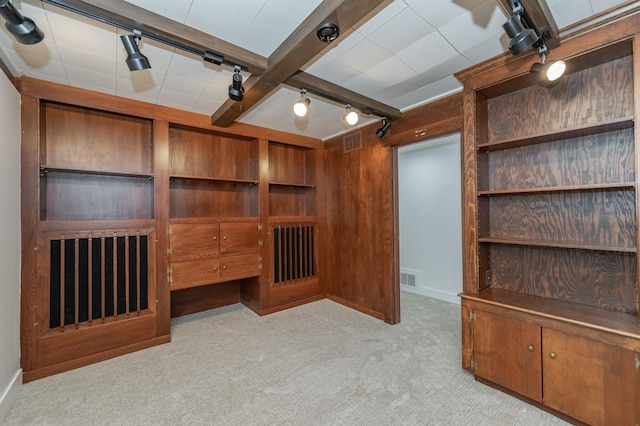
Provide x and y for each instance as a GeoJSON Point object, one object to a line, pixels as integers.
{"type": "Point", "coordinates": [328, 32]}
{"type": "Point", "coordinates": [23, 29]}
{"type": "Point", "coordinates": [207, 56]}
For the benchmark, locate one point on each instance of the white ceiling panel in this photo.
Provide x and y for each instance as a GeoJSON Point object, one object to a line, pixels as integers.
{"type": "Point", "coordinates": [404, 56]}
{"type": "Point", "coordinates": [400, 31]}
{"type": "Point", "coordinates": [445, 12]}
{"type": "Point", "coordinates": [427, 52]}
{"type": "Point", "coordinates": [474, 26]}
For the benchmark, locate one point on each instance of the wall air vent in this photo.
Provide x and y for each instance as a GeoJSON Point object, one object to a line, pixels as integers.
{"type": "Point", "coordinates": [352, 142]}
{"type": "Point", "coordinates": [410, 278]}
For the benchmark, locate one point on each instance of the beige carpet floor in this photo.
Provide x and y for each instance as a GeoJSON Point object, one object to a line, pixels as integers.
{"type": "Point", "coordinates": [317, 364]}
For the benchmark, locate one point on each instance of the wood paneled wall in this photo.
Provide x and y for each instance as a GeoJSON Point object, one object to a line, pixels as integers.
{"type": "Point", "coordinates": [357, 259]}
{"type": "Point", "coordinates": [359, 251]}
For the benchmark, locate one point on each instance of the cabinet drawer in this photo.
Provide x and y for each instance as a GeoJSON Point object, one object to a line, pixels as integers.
{"type": "Point", "coordinates": [194, 273]}
{"type": "Point", "coordinates": [239, 266]}
{"type": "Point", "coordinates": [238, 237]}
{"type": "Point", "coordinates": [193, 241]}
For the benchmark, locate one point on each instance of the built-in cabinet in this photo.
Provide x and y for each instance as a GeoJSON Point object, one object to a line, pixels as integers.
{"type": "Point", "coordinates": [214, 224]}
{"type": "Point", "coordinates": [129, 220]}
{"type": "Point", "coordinates": [550, 301]}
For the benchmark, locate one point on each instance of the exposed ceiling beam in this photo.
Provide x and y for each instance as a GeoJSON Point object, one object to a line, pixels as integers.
{"type": "Point", "coordinates": [537, 14]}
{"type": "Point", "coordinates": [149, 22]}
{"type": "Point", "coordinates": [297, 50]}
{"type": "Point", "coordinates": [339, 94]}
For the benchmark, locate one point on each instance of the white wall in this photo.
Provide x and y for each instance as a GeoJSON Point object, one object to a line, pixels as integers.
{"type": "Point", "coordinates": [430, 216]}
{"type": "Point", "coordinates": [10, 372]}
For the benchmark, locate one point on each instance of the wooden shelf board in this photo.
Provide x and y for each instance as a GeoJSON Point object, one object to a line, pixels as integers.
{"type": "Point", "coordinates": [589, 129]}
{"type": "Point", "coordinates": [298, 185]}
{"type": "Point", "coordinates": [59, 169]}
{"type": "Point", "coordinates": [216, 179]}
{"type": "Point", "coordinates": [587, 316]}
{"type": "Point", "coordinates": [558, 244]}
{"type": "Point", "coordinates": [569, 188]}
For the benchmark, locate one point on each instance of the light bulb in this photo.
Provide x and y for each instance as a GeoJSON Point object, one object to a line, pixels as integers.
{"type": "Point", "coordinates": [301, 108]}
{"type": "Point", "coordinates": [555, 70]}
{"type": "Point", "coordinates": [351, 117]}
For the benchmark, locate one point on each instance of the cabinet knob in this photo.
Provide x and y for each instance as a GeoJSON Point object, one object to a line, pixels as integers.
{"type": "Point", "coordinates": [552, 355]}
{"type": "Point", "coordinates": [215, 268]}
{"type": "Point", "coordinates": [224, 267]}
{"type": "Point", "coordinates": [530, 348]}
{"type": "Point", "coordinates": [215, 238]}
{"type": "Point", "coordinates": [224, 238]}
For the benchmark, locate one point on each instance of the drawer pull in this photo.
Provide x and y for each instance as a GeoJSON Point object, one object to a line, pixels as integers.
{"type": "Point", "coordinates": [530, 348]}
{"type": "Point", "coordinates": [215, 268]}
{"type": "Point", "coordinates": [552, 355]}
{"type": "Point", "coordinates": [224, 267]}
{"type": "Point", "coordinates": [224, 238]}
{"type": "Point", "coordinates": [215, 238]}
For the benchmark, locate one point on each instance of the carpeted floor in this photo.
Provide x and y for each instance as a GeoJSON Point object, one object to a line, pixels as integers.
{"type": "Point", "coordinates": [317, 364]}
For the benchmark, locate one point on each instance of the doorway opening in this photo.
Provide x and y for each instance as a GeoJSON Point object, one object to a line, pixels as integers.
{"type": "Point", "coordinates": [430, 218]}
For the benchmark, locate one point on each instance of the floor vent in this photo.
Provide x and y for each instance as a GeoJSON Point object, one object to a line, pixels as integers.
{"type": "Point", "coordinates": [352, 142]}
{"type": "Point", "coordinates": [409, 278]}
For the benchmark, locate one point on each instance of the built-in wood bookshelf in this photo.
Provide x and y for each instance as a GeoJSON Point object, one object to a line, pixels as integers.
{"type": "Point", "coordinates": [551, 230]}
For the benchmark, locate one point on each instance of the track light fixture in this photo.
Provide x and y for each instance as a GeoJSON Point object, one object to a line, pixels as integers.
{"type": "Point", "coordinates": [301, 108]}
{"type": "Point", "coordinates": [23, 29]}
{"type": "Point", "coordinates": [552, 70]}
{"type": "Point", "coordinates": [236, 91]}
{"type": "Point", "coordinates": [350, 116]}
{"type": "Point", "coordinates": [522, 36]}
{"type": "Point", "coordinates": [382, 131]}
{"type": "Point", "coordinates": [136, 61]}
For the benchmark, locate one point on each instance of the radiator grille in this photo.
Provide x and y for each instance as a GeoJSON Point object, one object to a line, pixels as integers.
{"type": "Point", "coordinates": [293, 252]}
{"type": "Point", "coordinates": [97, 278]}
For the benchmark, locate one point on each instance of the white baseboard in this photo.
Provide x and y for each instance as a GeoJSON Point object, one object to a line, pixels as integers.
{"type": "Point", "coordinates": [434, 293]}
{"type": "Point", "coordinates": [9, 394]}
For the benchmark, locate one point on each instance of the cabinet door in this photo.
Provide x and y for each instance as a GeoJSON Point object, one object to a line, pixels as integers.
{"type": "Point", "coordinates": [238, 237]}
{"type": "Point", "coordinates": [239, 266]}
{"type": "Point", "coordinates": [507, 352]}
{"type": "Point", "coordinates": [591, 381]}
{"type": "Point", "coordinates": [194, 273]}
{"type": "Point", "coordinates": [191, 241]}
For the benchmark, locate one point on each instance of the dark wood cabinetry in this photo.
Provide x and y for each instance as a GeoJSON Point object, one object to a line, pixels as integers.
{"type": "Point", "coordinates": [591, 381]}
{"type": "Point", "coordinates": [140, 214]}
{"type": "Point", "coordinates": [208, 253]}
{"type": "Point", "coordinates": [550, 301]}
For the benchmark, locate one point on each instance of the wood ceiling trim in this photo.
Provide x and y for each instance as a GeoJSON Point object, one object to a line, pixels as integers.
{"type": "Point", "coordinates": [143, 19]}
{"type": "Point", "coordinates": [339, 94]}
{"type": "Point", "coordinates": [297, 50]}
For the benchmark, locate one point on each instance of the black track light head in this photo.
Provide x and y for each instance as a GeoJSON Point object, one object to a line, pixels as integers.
{"type": "Point", "coordinates": [23, 29]}
{"type": "Point", "coordinates": [382, 131]}
{"type": "Point", "coordinates": [236, 91]}
{"type": "Point", "coordinates": [136, 61]}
